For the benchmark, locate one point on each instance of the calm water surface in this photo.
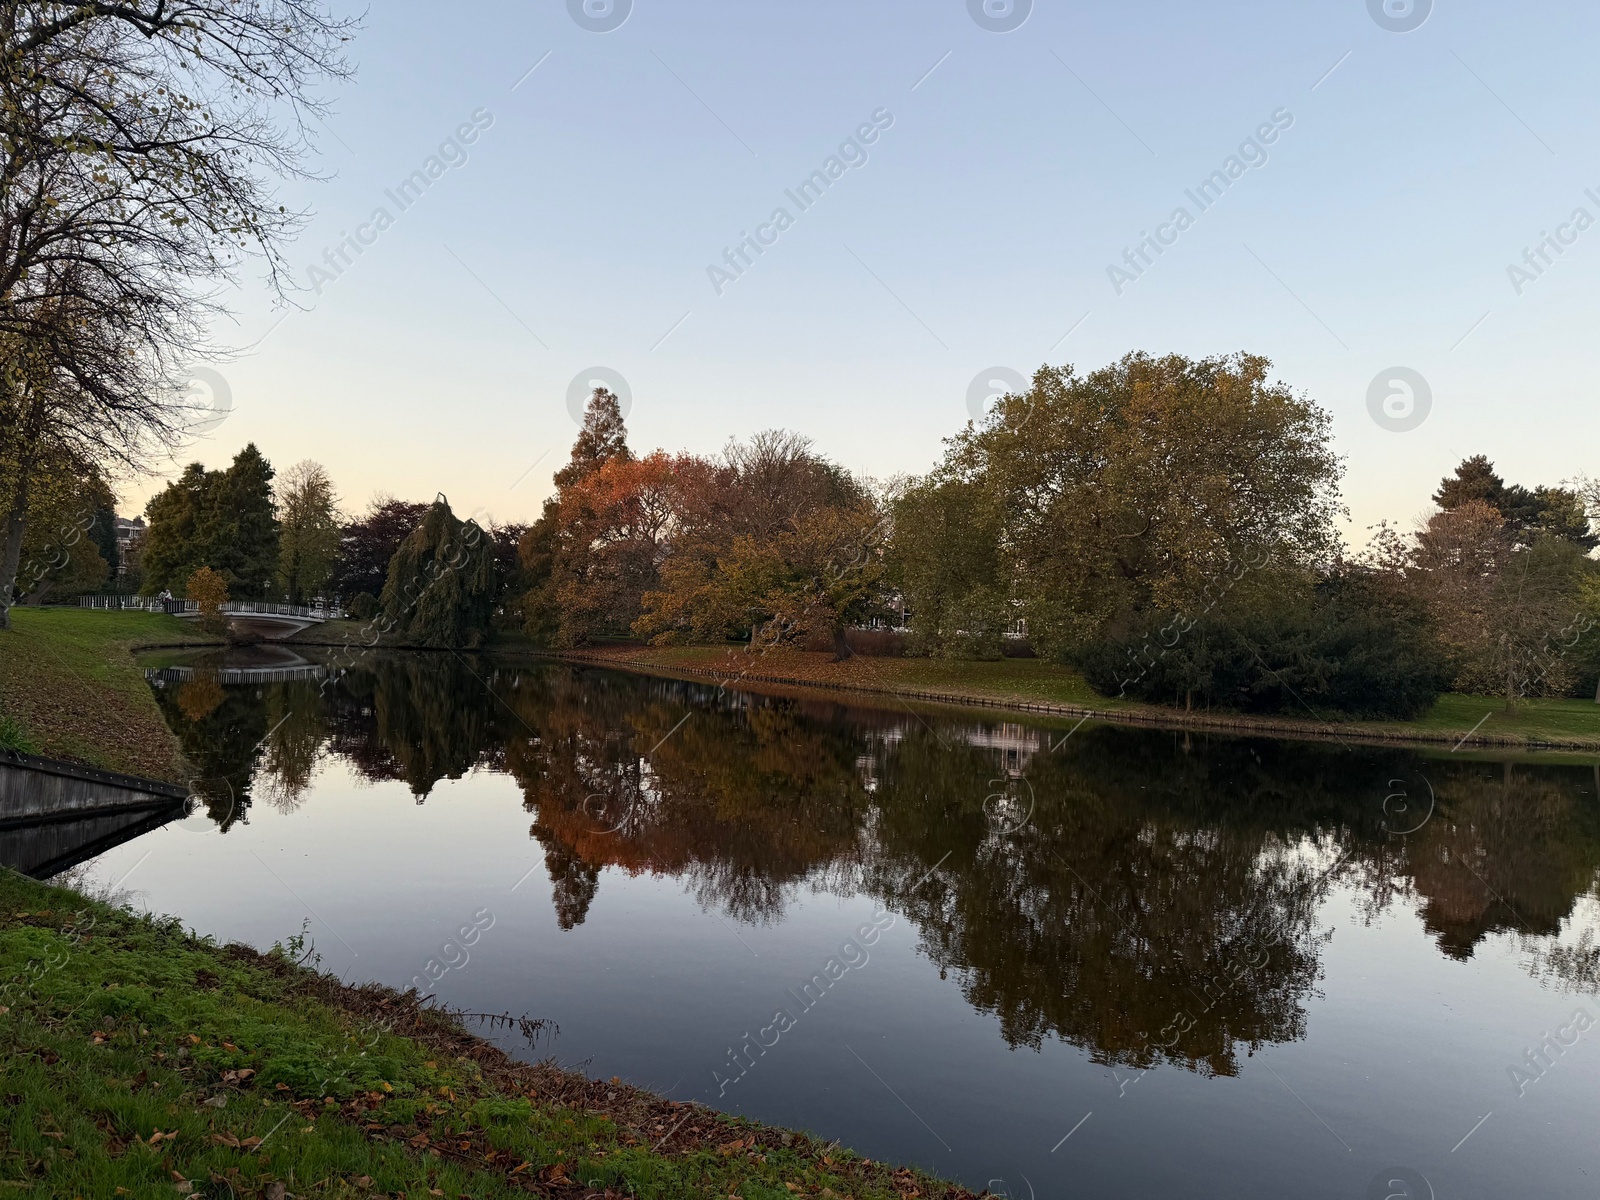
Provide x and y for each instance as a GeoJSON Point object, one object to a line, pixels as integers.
{"type": "Point", "coordinates": [1100, 962]}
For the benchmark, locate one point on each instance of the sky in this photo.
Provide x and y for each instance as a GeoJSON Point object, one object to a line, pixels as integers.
{"type": "Point", "coordinates": [594, 160]}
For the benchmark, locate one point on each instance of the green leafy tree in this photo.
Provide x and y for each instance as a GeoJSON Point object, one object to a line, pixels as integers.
{"type": "Point", "coordinates": [172, 549]}
{"type": "Point", "coordinates": [62, 552]}
{"type": "Point", "coordinates": [309, 540]}
{"type": "Point", "coordinates": [441, 587]}
{"type": "Point", "coordinates": [1140, 486]}
{"type": "Point", "coordinates": [243, 533]}
{"type": "Point", "coordinates": [1358, 647]}
{"type": "Point", "coordinates": [225, 520]}
{"type": "Point", "coordinates": [945, 560]}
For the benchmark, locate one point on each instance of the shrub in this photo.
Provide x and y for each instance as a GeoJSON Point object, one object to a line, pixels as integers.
{"type": "Point", "coordinates": [364, 607]}
{"type": "Point", "coordinates": [1358, 649]}
{"type": "Point", "coordinates": [877, 643]}
{"type": "Point", "coordinates": [210, 590]}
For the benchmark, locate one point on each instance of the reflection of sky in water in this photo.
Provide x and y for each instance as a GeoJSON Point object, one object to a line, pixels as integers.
{"type": "Point", "coordinates": [1381, 1042]}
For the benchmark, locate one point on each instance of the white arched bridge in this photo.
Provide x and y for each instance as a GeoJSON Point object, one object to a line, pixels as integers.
{"type": "Point", "coordinates": [265, 618]}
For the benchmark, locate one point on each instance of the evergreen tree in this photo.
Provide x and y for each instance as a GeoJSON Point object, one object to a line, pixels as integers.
{"type": "Point", "coordinates": [441, 586]}
{"type": "Point", "coordinates": [104, 534]}
{"type": "Point", "coordinates": [172, 549]}
{"type": "Point", "coordinates": [603, 437]}
{"type": "Point", "coordinates": [1556, 511]}
{"type": "Point", "coordinates": [242, 527]}
{"type": "Point", "coordinates": [225, 520]}
{"type": "Point", "coordinates": [1475, 479]}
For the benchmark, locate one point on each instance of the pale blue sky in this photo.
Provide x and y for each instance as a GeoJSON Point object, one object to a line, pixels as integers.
{"type": "Point", "coordinates": [579, 230]}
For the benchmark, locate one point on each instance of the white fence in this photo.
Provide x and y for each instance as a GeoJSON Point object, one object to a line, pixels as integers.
{"type": "Point", "coordinates": [237, 608]}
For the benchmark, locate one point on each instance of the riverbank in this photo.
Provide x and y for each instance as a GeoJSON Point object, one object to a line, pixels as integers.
{"type": "Point", "coordinates": [69, 689]}
{"type": "Point", "coordinates": [141, 1061]}
{"type": "Point", "coordinates": [1034, 686]}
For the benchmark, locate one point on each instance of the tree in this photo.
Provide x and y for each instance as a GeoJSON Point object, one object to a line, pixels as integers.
{"type": "Point", "coordinates": [511, 581]}
{"type": "Point", "coordinates": [1502, 605]}
{"type": "Point", "coordinates": [1457, 559]}
{"type": "Point", "coordinates": [602, 438]}
{"type": "Point", "coordinates": [225, 520]}
{"type": "Point", "coordinates": [244, 528]}
{"type": "Point", "coordinates": [310, 535]}
{"type": "Point", "coordinates": [174, 546]}
{"type": "Point", "coordinates": [558, 606]}
{"type": "Point", "coordinates": [136, 139]}
{"type": "Point", "coordinates": [537, 556]}
{"type": "Point", "coordinates": [945, 559]}
{"type": "Point", "coordinates": [1558, 511]}
{"type": "Point", "coordinates": [1474, 479]}
{"type": "Point", "coordinates": [440, 590]}
{"type": "Point", "coordinates": [209, 590]}
{"type": "Point", "coordinates": [774, 542]}
{"type": "Point", "coordinates": [1588, 659]}
{"type": "Point", "coordinates": [367, 545]}
{"type": "Point", "coordinates": [1142, 486]}
{"type": "Point", "coordinates": [62, 554]}
{"type": "Point", "coordinates": [615, 527]}
{"type": "Point", "coordinates": [1535, 600]}
{"type": "Point", "coordinates": [1359, 647]}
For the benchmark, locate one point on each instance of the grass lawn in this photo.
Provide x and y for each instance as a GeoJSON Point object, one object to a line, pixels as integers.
{"type": "Point", "coordinates": [1539, 720]}
{"type": "Point", "coordinates": [138, 1061]}
{"type": "Point", "coordinates": [1571, 723]}
{"type": "Point", "coordinates": [69, 689]}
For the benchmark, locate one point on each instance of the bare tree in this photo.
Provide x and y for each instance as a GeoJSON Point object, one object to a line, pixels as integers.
{"type": "Point", "coordinates": [139, 146]}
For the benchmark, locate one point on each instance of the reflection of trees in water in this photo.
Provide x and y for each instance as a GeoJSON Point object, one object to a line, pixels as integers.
{"type": "Point", "coordinates": [1104, 919]}
{"type": "Point", "coordinates": [219, 742]}
{"type": "Point", "coordinates": [743, 805]}
{"type": "Point", "coordinates": [1511, 848]}
{"type": "Point", "coordinates": [297, 729]}
{"type": "Point", "coordinates": [1571, 964]}
{"type": "Point", "coordinates": [1159, 905]}
{"type": "Point", "coordinates": [430, 719]}
{"type": "Point", "coordinates": [199, 696]}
